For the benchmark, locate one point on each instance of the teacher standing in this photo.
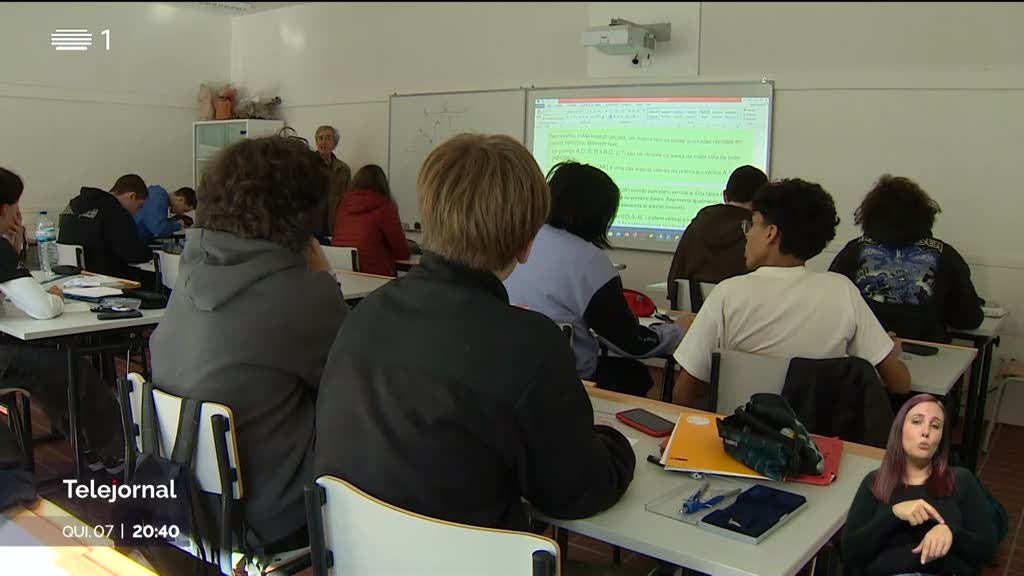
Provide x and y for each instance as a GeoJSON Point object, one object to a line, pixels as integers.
{"type": "Point", "coordinates": [327, 140]}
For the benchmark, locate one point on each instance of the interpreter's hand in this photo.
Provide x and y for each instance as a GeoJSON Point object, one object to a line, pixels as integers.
{"type": "Point", "coordinates": [56, 291]}
{"type": "Point", "coordinates": [916, 512]}
{"type": "Point", "coordinates": [686, 320]}
{"type": "Point", "coordinates": [936, 543]}
{"type": "Point", "coordinates": [316, 260]}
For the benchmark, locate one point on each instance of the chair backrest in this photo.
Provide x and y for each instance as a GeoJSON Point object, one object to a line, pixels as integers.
{"type": "Point", "coordinates": [736, 376]}
{"type": "Point", "coordinates": [690, 294]}
{"type": "Point", "coordinates": [169, 264]}
{"type": "Point", "coordinates": [362, 535]}
{"type": "Point", "coordinates": [167, 407]}
{"type": "Point", "coordinates": [70, 255]}
{"type": "Point", "coordinates": [342, 257]}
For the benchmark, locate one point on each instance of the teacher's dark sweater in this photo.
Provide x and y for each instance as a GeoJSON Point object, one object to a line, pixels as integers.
{"type": "Point", "coordinates": [876, 542]}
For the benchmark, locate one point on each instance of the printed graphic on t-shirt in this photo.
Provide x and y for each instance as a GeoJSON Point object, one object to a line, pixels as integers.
{"type": "Point", "coordinates": [898, 275]}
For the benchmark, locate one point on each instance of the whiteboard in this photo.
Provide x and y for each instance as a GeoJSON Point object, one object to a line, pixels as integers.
{"type": "Point", "coordinates": [417, 123]}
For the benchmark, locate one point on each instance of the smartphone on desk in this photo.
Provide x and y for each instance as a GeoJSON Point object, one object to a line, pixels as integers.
{"type": "Point", "coordinates": [118, 315]}
{"type": "Point", "coordinates": [919, 349]}
{"type": "Point", "coordinates": [646, 422]}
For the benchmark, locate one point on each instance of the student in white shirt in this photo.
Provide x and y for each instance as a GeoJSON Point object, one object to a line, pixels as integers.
{"type": "Point", "coordinates": [43, 371]}
{"type": "Point", "coordinates": [781, 308]}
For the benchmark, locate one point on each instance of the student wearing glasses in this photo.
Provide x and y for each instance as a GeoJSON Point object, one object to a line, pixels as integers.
{"type": "Point", "coordinates": [781, 308]}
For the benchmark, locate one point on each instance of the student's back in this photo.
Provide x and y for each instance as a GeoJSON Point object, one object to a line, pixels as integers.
{"type": "Point", "coordinates": [250, 323]}
{"type": "Point", "coordinates": [439, 396]}
{"type": "Point", "coordinates": [916, 284]}
{"type": "Point", "coordinates": [367, 219]}
{"type": "Point", "coordinates": [102, 223]}
{"type": "Point", "coordinates": [711, 248]}
{"type": "Point", "coordinates": [571, 280]}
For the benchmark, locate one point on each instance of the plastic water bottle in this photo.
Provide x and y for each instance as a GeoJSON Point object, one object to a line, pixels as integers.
{"type": "Point", "coordinates": [46, 239]}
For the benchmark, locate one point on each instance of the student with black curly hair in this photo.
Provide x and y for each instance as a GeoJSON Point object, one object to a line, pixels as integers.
{"type": "Point", "coordinates": [915, 283]}
{"type": "Point", "coordinates": [253, 318]}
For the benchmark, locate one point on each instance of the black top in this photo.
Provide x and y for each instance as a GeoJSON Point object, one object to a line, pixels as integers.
{"type": "Point", "coordinates": [11, 265]}
{"type": "Point", "coordinates": [877, 543]}
{"type": "Point", "coordinates": [917, 290]}
{"type": "Point", "coordinates": [609, 315]}
{"type": "Point", "coordinates": [711, 248]}
{"type": "Point", "coordinates": [106, 231]}
{"type": "Point", "coordinates": [441, 398]}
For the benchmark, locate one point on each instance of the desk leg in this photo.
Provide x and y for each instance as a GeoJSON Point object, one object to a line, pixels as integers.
{"type": "Point", "coordinates": [562, 538]}
{"type": "Point", "coordinates": [72, 358]}
{"type": "Point", "coordinates": [668, 380]}
{"type": "Point", "coordinates": [969, 446]}
{"type": "Point", "coordinates": [979, 414]}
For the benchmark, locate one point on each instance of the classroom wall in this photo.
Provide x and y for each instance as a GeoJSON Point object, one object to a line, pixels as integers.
{"type": "Point", "coordinates": [84, 118]}
{"type": "Point", "coordinates": [929, 91]}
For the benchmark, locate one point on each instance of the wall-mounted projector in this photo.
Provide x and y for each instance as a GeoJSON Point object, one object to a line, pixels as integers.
{"type": "Point", "coordinates": [624, 38]}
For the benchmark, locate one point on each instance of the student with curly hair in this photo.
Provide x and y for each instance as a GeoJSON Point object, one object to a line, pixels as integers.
{"type": "Point", "coordinates": [781, 308]}
{"type": "Point", "coordinates": [917, 514]}
{"type": "Point", "coordinates": [915, 283]}
{"type": "Point", "coordinates": [253, 318]}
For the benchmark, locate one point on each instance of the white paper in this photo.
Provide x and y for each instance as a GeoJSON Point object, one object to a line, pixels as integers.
{"type": "Point", "coordinates": [94, 292]}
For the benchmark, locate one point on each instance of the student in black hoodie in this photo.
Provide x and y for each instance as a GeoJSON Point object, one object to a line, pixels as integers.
{"type": "Point", "coordinates": [711, 248]}
{"type": "Point", "coordinates": [103, 224]}
{"type": "Point", "coordinates": [473, 404]}
{"type": "Point", "coordinates": [916, 284]}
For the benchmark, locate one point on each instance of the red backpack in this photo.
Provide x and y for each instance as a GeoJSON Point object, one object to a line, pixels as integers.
{"type": "Point", "coordinates": [639, 303]}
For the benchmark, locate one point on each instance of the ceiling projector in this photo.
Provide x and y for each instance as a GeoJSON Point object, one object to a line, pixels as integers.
{"type": "Point", "coordinates": [621, 38]}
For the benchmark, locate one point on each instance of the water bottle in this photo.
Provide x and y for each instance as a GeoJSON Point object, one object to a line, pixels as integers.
{"type": "Point", "coordinates": [46, 239]}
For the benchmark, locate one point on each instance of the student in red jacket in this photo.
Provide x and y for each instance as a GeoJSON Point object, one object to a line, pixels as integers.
{"type": "Point", "coordinates": [367, 219]}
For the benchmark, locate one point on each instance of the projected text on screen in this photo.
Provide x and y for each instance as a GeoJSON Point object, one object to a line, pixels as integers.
{"type": "Point", "coordinates": [670, 156]}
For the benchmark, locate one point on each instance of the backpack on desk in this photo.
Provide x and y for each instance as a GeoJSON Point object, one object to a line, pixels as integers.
{"type": "Point", "coordinates": [766, 435]}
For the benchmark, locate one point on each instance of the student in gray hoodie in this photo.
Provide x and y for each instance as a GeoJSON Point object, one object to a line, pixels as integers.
{"type": "Point", "coordinates": [252, 318]}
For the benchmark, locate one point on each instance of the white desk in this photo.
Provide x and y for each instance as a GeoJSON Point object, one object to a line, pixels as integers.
{"type": "Point", "coordinates": [985, 339]}
{"type": "Point", "coordinates": [357, 285]}
{"type": "Point", "coordinates": [783, 553]}
{"type": "Point", "coordinates": [938, 374]}
{"type": "Point", "coordinates": [76, 320]}
{"type": "Point", "coordinates": [990, 328]}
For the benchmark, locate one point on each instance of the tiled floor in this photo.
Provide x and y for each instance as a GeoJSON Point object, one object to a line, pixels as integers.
{"type": "Point", "coordinates": [1001, 469]}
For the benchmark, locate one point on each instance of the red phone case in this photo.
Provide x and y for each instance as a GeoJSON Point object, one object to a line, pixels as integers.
{"type": "Point", "coordinates": [632, 423]}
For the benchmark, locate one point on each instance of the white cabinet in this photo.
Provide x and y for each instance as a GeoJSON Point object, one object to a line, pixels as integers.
{"type": "Point", "coordinates": [209, 138]}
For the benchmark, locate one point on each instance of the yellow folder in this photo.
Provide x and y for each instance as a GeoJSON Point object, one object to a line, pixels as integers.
{"type": "Point", "coordinates": [696, 447]}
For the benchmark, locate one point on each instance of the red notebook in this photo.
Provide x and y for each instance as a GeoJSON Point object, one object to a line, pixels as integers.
{"type": "Point", "coordinates": [832, 450]}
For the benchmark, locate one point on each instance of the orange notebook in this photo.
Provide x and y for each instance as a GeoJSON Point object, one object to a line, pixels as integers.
{"type": "Point", "coordinates": [696, 447]}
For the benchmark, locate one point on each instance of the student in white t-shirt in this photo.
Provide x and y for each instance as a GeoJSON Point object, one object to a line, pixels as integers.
{"type": "Point", "coordinates": [781, 308]}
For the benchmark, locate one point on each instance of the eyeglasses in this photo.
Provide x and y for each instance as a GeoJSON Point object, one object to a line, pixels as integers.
{"type": "Point", "coordinates": [746, 225]}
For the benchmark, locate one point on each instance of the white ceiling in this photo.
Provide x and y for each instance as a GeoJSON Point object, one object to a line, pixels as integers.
{"type": "Point", "coordinates": [233, 8]}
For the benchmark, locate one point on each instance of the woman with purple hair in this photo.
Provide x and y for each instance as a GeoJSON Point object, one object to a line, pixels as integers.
{"type": "Point", "coordinates": [916, 514]}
